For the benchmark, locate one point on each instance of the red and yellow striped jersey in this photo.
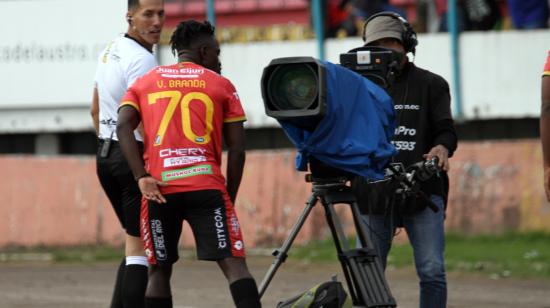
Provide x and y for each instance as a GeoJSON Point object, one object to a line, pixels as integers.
{"type": "Point", "coordinates": [183, 108]}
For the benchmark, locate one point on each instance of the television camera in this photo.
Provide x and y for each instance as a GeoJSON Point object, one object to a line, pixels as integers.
{"type": "Point", "coordinates": [342, 125]}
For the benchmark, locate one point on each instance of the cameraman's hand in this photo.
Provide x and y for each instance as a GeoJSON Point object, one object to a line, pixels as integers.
{"type": "Point", "coordinates": [149, 187]}
{"type": "Point", "coordinates": [442, 154]}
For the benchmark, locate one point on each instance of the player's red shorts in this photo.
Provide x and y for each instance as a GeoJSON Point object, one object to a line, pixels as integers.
{"type": "Point", "coordinates": [211, 216]}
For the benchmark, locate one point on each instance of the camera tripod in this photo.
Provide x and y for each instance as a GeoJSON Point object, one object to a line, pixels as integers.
{"type": "Point", "coordinates": [362, 267]}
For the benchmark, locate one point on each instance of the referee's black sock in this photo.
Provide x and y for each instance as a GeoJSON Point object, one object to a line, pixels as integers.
{"type": "Point", "coordinates": [245, 293]}
{"type": "Point", "coordinates": [135, 282]}
{"type": "Point", "coordinates": [158, 302]}
{"type": "Point", "coordinates": [116, 302]}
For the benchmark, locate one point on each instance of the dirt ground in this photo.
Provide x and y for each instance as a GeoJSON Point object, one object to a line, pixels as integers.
{"type": "Point", "coordinates": [202, 285]}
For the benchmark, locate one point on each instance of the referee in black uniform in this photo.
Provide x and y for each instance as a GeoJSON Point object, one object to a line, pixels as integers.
{"type": "Point", "coordinates": [125, 59]}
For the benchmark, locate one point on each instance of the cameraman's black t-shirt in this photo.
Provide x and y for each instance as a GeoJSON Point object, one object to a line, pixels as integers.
{"type": "Point", "coordinates": [423, 107]}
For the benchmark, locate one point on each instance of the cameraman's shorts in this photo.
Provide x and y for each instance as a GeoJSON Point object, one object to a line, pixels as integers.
{"type": "Point", "coordinates": [211, 216]}
{"type": "Point", "coordinates": [119, 185]}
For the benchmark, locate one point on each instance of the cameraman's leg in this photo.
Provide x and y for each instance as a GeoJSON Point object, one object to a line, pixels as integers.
{"type": "Point", "coordinates": [380, 229]}
{"type": "Point", "coordinates": [427, 236]}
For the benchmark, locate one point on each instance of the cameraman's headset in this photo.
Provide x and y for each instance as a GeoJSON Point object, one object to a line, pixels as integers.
{"type": "Point", "coordinates": [408, 36]}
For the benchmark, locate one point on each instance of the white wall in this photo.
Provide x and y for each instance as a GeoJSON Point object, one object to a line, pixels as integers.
{"type": "Point", "coordinates": [500, 70]}
{"type": "Point", "coordinates": [48, 53]}
{"type": "Point", "coordinates": [49, 48]}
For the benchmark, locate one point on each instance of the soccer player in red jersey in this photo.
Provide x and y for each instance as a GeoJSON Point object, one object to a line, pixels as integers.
{"type": "Point", "coordinates": [545, 124]}
{"type": "Point", "coordinates": [186, 109]}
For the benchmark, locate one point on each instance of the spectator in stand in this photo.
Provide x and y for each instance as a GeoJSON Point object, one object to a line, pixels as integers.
{"type": "Point", "coordinates": [474, 15]}
{"type": "Point", "coordinates": [529, 14]}
{"type": "Point", "coordinates": [337, 18]}
{"type": "Point", "coordinates": [366, 8]}
{"type": "Point", "coordinates": [345, 17]}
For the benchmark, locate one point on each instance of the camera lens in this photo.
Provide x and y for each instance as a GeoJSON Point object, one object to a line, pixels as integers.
{"type": "Point", "coordinates": [293, 86]}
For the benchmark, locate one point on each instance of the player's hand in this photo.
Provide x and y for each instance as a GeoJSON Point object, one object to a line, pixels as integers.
{"type": "Point", "coordinates": [442, 154]}
{"type": "Point", "coordinates": [547, 182]}
{"type": "Point", "coordinates": [149, 187]}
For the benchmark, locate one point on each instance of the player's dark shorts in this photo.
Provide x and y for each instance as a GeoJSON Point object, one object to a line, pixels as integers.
{"type": "Point", "coordinates": [211, 216]}
{"type": "Point", "coordinates": [121, 188]}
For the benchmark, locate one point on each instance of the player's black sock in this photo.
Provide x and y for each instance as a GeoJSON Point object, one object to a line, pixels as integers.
{"type": "Point", "coordinates": [158, 302]}
{"type": "Point", "coordinates": [135, 282]}
{"type": "Point", "coordinates": [116, 302]}
{"type": "Point", "coordinates": [245, 293]}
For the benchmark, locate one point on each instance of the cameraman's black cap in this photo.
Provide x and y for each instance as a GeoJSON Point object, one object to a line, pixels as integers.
{"type": "Point", "coordinates": [383, 27]}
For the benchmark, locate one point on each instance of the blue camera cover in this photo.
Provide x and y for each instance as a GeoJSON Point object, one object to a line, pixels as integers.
{"type": "Point", "coordinates": [356, 131]}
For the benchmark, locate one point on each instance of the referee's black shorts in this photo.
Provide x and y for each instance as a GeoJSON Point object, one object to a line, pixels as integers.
{"type": "Point", "coordinates": [119, 184]}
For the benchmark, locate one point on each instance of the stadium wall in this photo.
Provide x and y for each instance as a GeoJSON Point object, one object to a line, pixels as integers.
{"type": "Point", "coordinates": [48, 78]}
{"type": "Point", "coordinates": [495, 187]}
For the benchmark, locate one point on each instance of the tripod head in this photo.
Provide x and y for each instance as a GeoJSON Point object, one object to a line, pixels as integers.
{"type": "Point", "coordinates": [323, 174]}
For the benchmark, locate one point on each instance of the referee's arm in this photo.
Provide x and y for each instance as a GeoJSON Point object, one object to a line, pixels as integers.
{"type": "Point", "coordinates": [545, 131]}
{"type": "Point", "coordinates": [128, 120]}
{"type": "Point", "coordinates": [94, 111]}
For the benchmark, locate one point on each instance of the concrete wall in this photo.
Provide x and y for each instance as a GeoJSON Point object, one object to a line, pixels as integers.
{"type": "Point", "coordinates": [496, 186]}
{"type": "Point", "coordinates": [500, 70]}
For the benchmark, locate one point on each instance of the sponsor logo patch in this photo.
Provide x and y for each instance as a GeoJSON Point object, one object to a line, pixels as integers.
{"type": "Point", "coordinates": [220, 230]}
{"type": "Point", "coordinates": [235, 227]}
{"type": "Point", "coordinates": [158, 239]}
{"type": "Point", "coordinates": [186, 172]}
{"type": "Point", "coordinates": [182, 152]}
{"type": "Point", "coordinates": [182, 161]}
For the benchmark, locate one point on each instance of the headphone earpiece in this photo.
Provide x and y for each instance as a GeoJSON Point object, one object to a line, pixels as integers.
{"type": "Point", "coordinates": [408, 35]}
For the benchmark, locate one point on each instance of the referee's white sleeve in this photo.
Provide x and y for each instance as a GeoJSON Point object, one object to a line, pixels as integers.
{"type": "Point", "coordinates": [138, 67]}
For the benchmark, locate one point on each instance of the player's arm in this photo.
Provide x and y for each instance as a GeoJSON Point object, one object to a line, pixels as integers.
{"type": "Point", "coordinates": [545, 132]}
{"type": "Point", "coordinates": [234, 139]}
{"type": "Point", "coordinates": [128, 120]}
{"type": "Point", "coordinates": [94, 111]}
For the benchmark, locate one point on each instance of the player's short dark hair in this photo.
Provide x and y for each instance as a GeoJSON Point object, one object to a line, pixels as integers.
{"type": "Point", "coordinates": [188, 32]}
{"type": "Point", "coordinates": [132, 4]}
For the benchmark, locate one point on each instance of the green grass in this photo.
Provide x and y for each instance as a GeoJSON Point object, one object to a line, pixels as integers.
{"type": "Point", "coordinates": [518, 255]}
{"type": "Point", "coordinates": [63, 254]}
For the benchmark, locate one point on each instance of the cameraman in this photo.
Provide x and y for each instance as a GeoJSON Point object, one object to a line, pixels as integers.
{"type": "Point", "coordinates": [424, 130]}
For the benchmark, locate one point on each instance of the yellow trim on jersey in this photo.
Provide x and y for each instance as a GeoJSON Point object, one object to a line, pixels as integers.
{"type": "Point", "coordinates": [231, 120]}
{"type": "Point", "coordinates": [129, 103]}
{"type": "Point", "coordinates": [546, 73]}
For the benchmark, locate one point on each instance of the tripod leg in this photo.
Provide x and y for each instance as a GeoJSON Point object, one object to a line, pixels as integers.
{"type": "Point", "coordinates": [341, 244]}
{"type": "Point", "coordinates": [281, 254]}
{"type": "Point", "coordinates": [364, 274]}
{"type": "Point", "coordinates": [373, 271]}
